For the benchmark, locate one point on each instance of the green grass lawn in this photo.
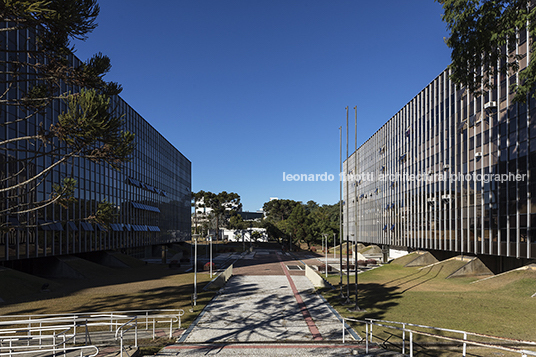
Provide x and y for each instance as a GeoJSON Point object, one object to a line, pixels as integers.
{"type": "Point", "coordinates": [501, 306]}
{"type": "Point", "coordinates": [141, 286]}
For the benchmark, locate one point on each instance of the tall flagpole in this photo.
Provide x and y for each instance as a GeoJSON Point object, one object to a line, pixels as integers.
{"type": "Point", "coordinates": [346, 221]}
{"type": "Point", "coordinates": [355, 207]}
{"type": "Point", "coordinates": [356, 308]}
{"type": "Point", "coordinates": [341, 177]}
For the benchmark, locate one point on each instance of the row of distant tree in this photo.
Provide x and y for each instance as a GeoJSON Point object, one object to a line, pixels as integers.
{"type": "Point", "coordinates": [287, 221]}
{"type": "Point", "coordinates": [296, 222]}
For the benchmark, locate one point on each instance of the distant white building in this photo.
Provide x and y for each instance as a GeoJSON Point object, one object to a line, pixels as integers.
{"type": "Point", "coordinates": [239, 235]}
{"type": "Point", "coordinates": [202, 214]}
{"type": "Point", "coordinates": [201, 210]}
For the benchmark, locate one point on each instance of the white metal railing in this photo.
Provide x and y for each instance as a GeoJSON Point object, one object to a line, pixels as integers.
{"type": "Point", "coordinates": [55, 348]}
{"type": "Point", "coordinates": [156, 316]}
{"type": "Point", "coordinates": [464, 341]}
{"type": "Point", "coordinates": [34, 330]}
{"type": "Point", "coordinates": [127, 326]}
{"type": "Point", "coordinates": [21, 344]}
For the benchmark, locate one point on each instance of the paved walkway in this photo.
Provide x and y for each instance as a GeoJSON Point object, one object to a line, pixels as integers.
{"type": "Point", "coordinates": [264, 302]}
{"type": "Point", "coordinates": [268, 308]}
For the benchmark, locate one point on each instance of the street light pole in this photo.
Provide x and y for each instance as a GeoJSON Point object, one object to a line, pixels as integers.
{"type": "Point", "coordinates": [334, 246]}
{"type": "Point", "coordinates": [340, 212]}
{"type": "Point", "coordinates": [347, 269]}
{"type": "Point", "coordinates": [326, 264]}
{"type": "Point", "coordinates": [195, 269]}
{"type": "Point", "coordinates": [356, 307]}
{"type": "Point", "coordinates": [211, 257]}
{"type": "Point", "coordinates": [347, 232]}
{"type": "Point", "coordinates": [290, 243]}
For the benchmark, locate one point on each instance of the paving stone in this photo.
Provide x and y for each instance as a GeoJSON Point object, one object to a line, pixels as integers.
{"type": "Point", "coordinates": [257, 310]}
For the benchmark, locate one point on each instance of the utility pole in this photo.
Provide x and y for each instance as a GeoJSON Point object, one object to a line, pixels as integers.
{"type": "Point", "coordinates": [334, 245]}
{"type": "Point", "coordinates": [341, 177]}
{"type": "Point", "coordinates": [347, 222]}
{"type": "Point", "coordinates": [356, 308]}
{"type": "Point", "coordinates": [325, 236]}
{"type": "Point", "coordinates": [211, 257]}
{"type": "Point", "coordinates": [195, 269]}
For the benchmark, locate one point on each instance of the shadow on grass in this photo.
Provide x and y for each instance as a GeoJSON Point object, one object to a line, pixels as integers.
{"type": "Point", "coordinates": [166, 296]}
{"type": "Point", "coordinates": [75, 295]}
{"type": "Point", "coordinates": [263, 321]}
{"type": "Point", "coordinates": [378, 298]}
{"type": "Point", "coordinates": [401, 280]}
{"type": "Point", "coordinates": [156, 298]}
{"type": "Point", "coordinates": [374, 298]}
{"type": "Point", "coordinates": [424, 281]}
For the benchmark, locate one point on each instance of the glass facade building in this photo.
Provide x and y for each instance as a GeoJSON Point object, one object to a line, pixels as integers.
{"type": "Point", "coordinates": [450, 172]}
{"type": "Point", "coordinates": [151, 192]}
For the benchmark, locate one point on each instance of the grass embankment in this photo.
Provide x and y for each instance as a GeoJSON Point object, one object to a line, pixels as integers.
{"type": "Point", "coordinates": [500, 306]}
{"type": "Point", "coordinates": [344, 247]}
{"type": "Point", "coordinates": [140, 286]}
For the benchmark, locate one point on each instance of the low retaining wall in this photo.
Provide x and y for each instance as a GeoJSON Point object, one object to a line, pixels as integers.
{"type": "Point", "coordinates": [317, 280]}
{"type": "Point", "coordinates": [221, 279]}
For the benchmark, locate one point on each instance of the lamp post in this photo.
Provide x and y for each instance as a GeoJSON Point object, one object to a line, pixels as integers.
{"type": "Point", "coordinates": [195, 237]}
{"type": "Point", "coordinates": [290, 243]}
{"type": "Point", "coordinates": [348, 270]}
{"type": "Point", "coordinates": [334, 246]}
{"type": "Point", "coordinates": [211, 256]}
{"type": "Point", "coordinates": [346, 218]}
{"type": "Point", "coordinates": [326, 254]}
{"type": "Point", "coordinates": [356, 307]}
{"type": "Point", "coordinates": [340, 212]}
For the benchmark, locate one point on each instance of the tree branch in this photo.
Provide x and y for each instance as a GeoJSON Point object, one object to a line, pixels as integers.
{"type": "Point", "coordinates": [31, 137]}
{"type": "Point", "coordinates": [62, 160]}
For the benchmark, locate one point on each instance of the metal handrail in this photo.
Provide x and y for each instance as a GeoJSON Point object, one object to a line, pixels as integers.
{"type": "Point", "coordinates": [40, 337]}
{"type": "Point", "coordinates": [11, 339]}
{"type": "Point", "coordinates": [22, 329]}
{"type": "Point", "coordinates": [174, 316]}
{"type": "Point", "coordinates": [52, 348]}
{"type": "Point", "coordinates": [122, 330]}
{"type": "Point", "coordinates": [64, 334]}
{"type": "Point", "coordinates": [466, 333]}
{"type": "Point", "coordinates": [33, 329]}
{"type": "Point", "coordinates": [370, 322]}
{"type": "Point", "coordinates": [58, 315]}
{"type": "Point", "coordinates": [50, 319]}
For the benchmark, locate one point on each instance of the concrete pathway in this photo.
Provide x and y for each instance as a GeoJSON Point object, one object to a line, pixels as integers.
{"type": "Point", "coordinates": [268, 308]}
{"type": "Point", "coordinates": [265, 302]}
{"type": "Point", "coordinates": [252, 309]}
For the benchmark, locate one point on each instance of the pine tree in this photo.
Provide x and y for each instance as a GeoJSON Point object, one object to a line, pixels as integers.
{"type": "Point", "coordinates": [39, 72]}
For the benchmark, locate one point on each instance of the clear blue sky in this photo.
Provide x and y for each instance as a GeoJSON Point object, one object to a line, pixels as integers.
{"type": "Point", "coordinates": [250, 89]}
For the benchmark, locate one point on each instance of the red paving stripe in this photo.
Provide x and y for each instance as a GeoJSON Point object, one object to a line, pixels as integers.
{"type": "Point", "coordinates": [248, 346]}
{"type": "Point", "coordinates": [306, 315]}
